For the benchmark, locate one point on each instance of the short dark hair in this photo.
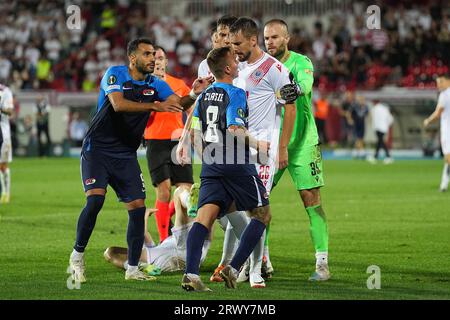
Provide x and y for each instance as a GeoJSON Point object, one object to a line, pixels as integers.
{"type": "Point", "coordinates": [156, 47]}
{"type": "Point", "coordinates": [246, 25]}
{"type": "Point", "coordinates": [134, 44]}
{"type": "Point", "coordinates": [213, 30]}
{"type": "Point", "coordinates": [216, 60]}
{"type": "Point", "coordinates": [445, 75]}
{"type": "Point", "coordinates": [226, 20]}
{"type": "Point", "coordinates": [277, 21]}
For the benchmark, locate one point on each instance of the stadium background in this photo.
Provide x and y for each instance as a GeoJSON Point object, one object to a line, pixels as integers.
{"type": "Point", "coordinates": [385, 214]}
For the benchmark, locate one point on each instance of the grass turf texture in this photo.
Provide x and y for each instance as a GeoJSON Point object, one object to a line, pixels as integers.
{"type": "Point", "coordinates": [389, 216]}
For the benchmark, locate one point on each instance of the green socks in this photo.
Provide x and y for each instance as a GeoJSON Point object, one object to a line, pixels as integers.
{"type": "Point", "coordinates": [318, 228]}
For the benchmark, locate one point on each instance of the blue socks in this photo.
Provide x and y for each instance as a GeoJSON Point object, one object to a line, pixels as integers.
{"type": "Point", "coordinates": [252, 234]}
{"type": "Point", "coordinates": [86, 221]}
{"type": "Point", "coordinates": [194, 244]}
{"type": "Point", "coordinates": [135, 235]}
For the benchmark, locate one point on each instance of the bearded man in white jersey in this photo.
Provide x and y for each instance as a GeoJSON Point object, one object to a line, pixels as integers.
{"type": "Point", "coordinates": [263, 78]}
{"type": "Point", "coordinates": [6, 109]}
{"type": "Point", "coordinates": [442, 111]}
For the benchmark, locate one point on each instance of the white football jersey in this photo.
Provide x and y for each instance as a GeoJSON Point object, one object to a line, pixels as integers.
{"type": "Point", "coordinates": [444, 102]}
{"type": "Point", "coordinates": [6, 103]}
{"type": "Point", "coordinates": [203, 70]}
{"type": "Point", "coordinates": [261, 81]}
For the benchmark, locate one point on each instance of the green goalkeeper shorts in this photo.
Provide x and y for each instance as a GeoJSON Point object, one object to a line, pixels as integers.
{"type": "Point", "coordinates": [305, 167]}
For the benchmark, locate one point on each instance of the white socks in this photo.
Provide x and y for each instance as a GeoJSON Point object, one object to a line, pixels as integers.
{"type": "Point", "coordinates": [321, 258]}
{"type": "Point", "coordinates": [76, 255]}
{"type": "Point", "coordinates": [132, 269]}
{"type": "Point", "coordinates": [445, 177]}
{"type": "Point", "coordinates": [184, 198]}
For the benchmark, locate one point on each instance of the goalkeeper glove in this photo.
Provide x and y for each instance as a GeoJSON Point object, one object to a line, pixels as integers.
{"type": "Point", "coordinates": [290, 92]}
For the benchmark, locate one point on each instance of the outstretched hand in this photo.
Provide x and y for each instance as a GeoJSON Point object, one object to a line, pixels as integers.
{"type": "Point", "coordinates": [201, 84]}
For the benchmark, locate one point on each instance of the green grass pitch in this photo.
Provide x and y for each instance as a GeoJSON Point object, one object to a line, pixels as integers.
{"type": "Point", "coordinates": [389, 216]}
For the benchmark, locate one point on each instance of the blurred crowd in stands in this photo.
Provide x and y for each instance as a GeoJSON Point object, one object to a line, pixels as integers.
{"type": "Point", "coordinates": [38, 51]}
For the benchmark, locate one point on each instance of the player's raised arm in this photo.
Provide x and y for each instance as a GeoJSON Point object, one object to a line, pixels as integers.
{"type": "Point", "coordinates": [120, 104]}
{"type": "Point", "coordinates": [198, 86]}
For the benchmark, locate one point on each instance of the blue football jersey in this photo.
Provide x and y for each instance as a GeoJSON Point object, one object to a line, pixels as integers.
{"type": "Point", "coordinates": [119, 134]}
{"type": "Point", "coordinates": [218, 107]}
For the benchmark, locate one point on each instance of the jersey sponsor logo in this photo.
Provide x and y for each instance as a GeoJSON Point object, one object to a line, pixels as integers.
{"type": "Point", "coordinates": [148, 92]}
{"type": "Point", "coordinates": [113, 87]}
{"type": "Point", "coordinates": [127, 88]}
{"type": "Point", "coordinates": [239, 121]}
{"type": "Point", "coordinates": [112, 79]}
{"type": "Point", "coordinates": [89, 181]}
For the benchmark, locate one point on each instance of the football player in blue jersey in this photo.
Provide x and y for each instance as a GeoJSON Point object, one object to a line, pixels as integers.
{"type": "Point", "coordinates": [228, 177]}
{"type": "Point", "coordinates": [128, 94]}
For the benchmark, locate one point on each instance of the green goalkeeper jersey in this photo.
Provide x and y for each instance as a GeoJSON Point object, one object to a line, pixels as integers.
{"type": "Point", "coordinates": [305, 130]}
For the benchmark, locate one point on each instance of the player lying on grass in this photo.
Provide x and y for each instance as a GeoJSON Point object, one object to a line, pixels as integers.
{"type": "Point", "coordinates": [170, 255]}
{"type": "Point", "coordinates": [229, 180]}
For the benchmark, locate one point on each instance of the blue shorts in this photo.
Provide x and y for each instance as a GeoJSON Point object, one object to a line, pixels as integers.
{"type": "Point", "coordinates": [123, 175]}
{"type": "Point", "coordinates": [247, 192]}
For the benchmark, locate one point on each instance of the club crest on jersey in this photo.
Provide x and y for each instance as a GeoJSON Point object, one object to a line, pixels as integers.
{"type": "Point", "coordinates": [112, 79]}
{"type": "Point", "coordinates": [89, 181]}
{"type": "Point", "coordinates": [241, 112]}
{"type": "Point", "coordinates": [278, 67]}
{"type": "Point", "coordinates": [257, 75]}
{"type": "Point", "coordinates": [148, 92]}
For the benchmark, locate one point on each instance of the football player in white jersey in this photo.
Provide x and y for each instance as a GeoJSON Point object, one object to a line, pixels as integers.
{"type": "Point", "coordinates": [219, 38]}
{"type": "Point", "coordinates": [6, 109]}
{"type": "Point", "coordinates": [170, 255]}
{"type": "Point", "coordinates": [263, 78]}
{"type": "Point", "coordinates": [443, 112]}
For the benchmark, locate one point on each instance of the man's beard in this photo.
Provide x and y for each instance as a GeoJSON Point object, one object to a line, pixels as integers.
{"type": "Point", "coordinates": [246, 56]}
{"type": "Point", "coordinates": [279, 53]}
{"type": "Point", "coordinates": [142, 69]}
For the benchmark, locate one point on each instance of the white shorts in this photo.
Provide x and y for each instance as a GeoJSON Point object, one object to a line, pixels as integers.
{"type": "Point", "coordinates": [6, 151]}
{"type": "Point", "coordinates": [170, 255]}
{"type": "Point", "coordinates": [445, 145]}
{"type": "Point", "coordinates": [266, 172]}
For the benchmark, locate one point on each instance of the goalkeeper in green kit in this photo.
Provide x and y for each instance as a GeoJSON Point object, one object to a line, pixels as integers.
{"type": "Point", "coordinates": [305, 159]}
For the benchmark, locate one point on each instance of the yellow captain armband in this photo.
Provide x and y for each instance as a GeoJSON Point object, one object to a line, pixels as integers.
{"type": "Point", "coordinates": [195, 123]}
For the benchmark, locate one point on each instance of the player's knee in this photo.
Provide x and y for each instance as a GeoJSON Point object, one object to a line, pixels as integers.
{"type": "Point", "coordinates": [310, 197]}
{"type": "Point", "coordinates": [135, 204]}
{"type": "Point", "coordinates": [262, 214]}
{"type": "Point", "coordinates": [163, 192]}
{"type": "Point", "coordinates": [94, 203]}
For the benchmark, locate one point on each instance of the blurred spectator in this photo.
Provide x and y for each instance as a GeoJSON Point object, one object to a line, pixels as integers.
{"type": "Point", "coordinates": [346, 116]}
{"type": "Point", "coordinates": [43, 70]}
{"type": "Point", "coordinates": [78, 129]}
{"type": "Point", "coordinates": [108, 18]}
{"type": "Point", "coordinates": [53, 48]}
{"type": "Point", "coordinates": [382, 120]}
{"type": "Point", "coordinates": [5, 68]}
{"type": "Point", "coordinates": [346, 54]}
{"type": "Point", "coordinates": [42, 111]}
{"type": "Point", "coordinates": [185, 51]}
{"type": "Point", "coordinates": [13, 119]}
{"type": "Point", "coordinates": [321, 115]}
{"type": "Point", "coordinates": [359, 113]}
